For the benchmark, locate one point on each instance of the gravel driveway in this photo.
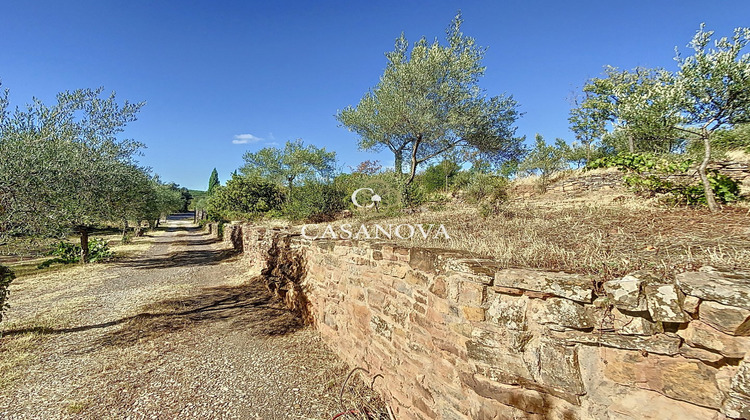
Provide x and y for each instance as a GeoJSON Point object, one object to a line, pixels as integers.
{"type": "Point", "coordinates": [179, 332]}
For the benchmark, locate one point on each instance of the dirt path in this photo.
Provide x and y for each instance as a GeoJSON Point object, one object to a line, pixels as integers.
{"type": "Point", "coordinates": [177, 333]}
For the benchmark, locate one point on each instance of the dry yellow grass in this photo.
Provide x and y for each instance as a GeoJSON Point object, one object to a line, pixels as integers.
{"type": "Point", "coordinates": [604, 234]}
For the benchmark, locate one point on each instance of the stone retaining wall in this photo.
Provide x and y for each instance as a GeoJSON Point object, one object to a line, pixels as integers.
{"type": "Point", "coordinates": [458, 337]}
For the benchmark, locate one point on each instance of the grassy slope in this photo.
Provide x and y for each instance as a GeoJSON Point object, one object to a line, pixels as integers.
{"type": "Point", "coordinates": [607, 234]}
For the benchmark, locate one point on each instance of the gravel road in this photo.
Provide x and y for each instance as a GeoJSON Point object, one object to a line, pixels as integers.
{"type": "Point", "coordinates": [178, 332]}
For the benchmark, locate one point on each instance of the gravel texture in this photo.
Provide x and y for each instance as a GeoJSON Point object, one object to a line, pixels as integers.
{"type": "Point", "coordinates": [179, 332]}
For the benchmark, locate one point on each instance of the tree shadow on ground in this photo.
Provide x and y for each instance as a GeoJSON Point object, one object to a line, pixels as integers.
{"type": "Point", "coordinates": [249, 307]}
{"type": "Point", "coordinates": [187, 258]}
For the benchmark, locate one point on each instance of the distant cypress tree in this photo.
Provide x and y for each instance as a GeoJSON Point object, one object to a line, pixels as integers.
{"type": "Point", "coordinates": [213, 181]}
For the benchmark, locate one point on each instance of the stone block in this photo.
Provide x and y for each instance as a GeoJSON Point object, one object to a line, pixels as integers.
{"type": "Point", "coordinates": [676, 377]}
{"type": "Point", "coordinates": [665, 302]}
{"type": "Point", "coordinates": [741, 381]}
{"type": "Point", "coordinates": [575, 287]}
{"type": "Point", "coordinates": [565, 313]}
{"type": "Point", "coordinates": [727, 288]}
{"type": "Point", "coordinates": [556, 365]}
{"type": "Point", "coordinates": [507, 311]}
{"type": "Point", "coordinates": [439, 287]}
{"type": "Point", "coordinates": [700, 354]}
{"type": "Point", "coordinates": [690, 304]}
{"type": "Point", "coordinates": [728, 319]}
{"type": "Point", "coordinates": [473, 313]}
{"type": "Point", "coordinates": [627, 293]}
{"type": "Point", "coordinates": [659, 344]}
{"type": "Point", "coordinates": [470, 293]}
{"type": "Point", "coordinates": [634, 323]}
{"type": "Point", "coordinates": [701, 335]}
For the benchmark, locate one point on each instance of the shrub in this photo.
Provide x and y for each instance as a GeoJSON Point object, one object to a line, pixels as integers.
{"type": "Point", "coordinates": [649, 176]}
{"type": "Point", "coordinates": [6, 277]}
{"type": "Point", "coordinates": [316, 202]}
{"type": "Point", "coordinates": [68, 253]}
{"type": "Point", "coordinates": [439, 177]}
{"type": "Point", "coordinates": [243, 197]}
{"type": "Point", "coordinates": [486, 187]}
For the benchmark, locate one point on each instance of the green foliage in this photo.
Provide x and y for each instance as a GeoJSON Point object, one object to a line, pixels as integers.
{"type": "Point", "coordinates": [6, 277]}
{"type": "Point", "coordinates": [486, 187]}
{"type": "Point", "coordinates": [545, 160]}
{"type": "Point", "coordinates": [291, 165]}
{"type": "Point", "coordinates": [317, 202]}
{"type": "Point", "coordinates": [439, 177]}
{"type": "Point", "coordinates": [69, 253]}
{"type": "Point", "coordinates": [213, 181]}
{"type": "Point", "coordinates": [725, 140]}
{"type": "Point", "coordinates": [243, 197]}
{"type": "Point", "coordinates": [642, 162]}
{"type": "Point", "coordinates": [640, 105]}
{"type": "Point", "coordinates": [428, 103]}
{"type": "Point", "coordinates": [725, 189]}
{"type": "Point", "coordinates": [63, 166]}
{"type": "Point", "coordinates": [648, 174]}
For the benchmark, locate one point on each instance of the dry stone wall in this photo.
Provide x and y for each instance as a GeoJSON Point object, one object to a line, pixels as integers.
{"type": "Point", "coordinates": [457, 337]}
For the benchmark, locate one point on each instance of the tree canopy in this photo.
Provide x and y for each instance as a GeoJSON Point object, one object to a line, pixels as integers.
{"type": "Point", "coordinates": [64, 168]}
{"type": "Point", "coordinates": [428, 103]}
{"type": "Point", "coordinates": [295, 162]}
{"type": "Point", "coordinates": [213, 181]}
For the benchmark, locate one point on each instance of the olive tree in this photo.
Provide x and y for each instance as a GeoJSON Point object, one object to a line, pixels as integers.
{"type": "Point", "coordinates": [293, 163]}
{"type": "Point", "coordinates": [63, 167]}
{"type": "Point", "coordinates": [636, 103]}
{"type": "Point", "coordinates": [429, 103]}
{"type": "Point", "coordinates": [714, 85]}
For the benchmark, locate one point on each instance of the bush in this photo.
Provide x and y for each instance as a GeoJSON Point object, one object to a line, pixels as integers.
{"type": "Point", "coordinates": [6, 277]}
{"type": "Point", "coordinates": [726, 190]}
{"type": "Point", "coordinates": [649, 172]}
{"type": "Point", "coordinates": [68, 253]}
{"type": "Point", "coordinates": [486, 187]}
{"type": "Point", "coordinates": [316, 202]}
{"type": "Point", "coordinates": [439, 177]}
{"type": "Point", "coordinates": [243, 197]}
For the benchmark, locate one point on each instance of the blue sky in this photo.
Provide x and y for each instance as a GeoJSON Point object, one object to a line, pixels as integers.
{"type": "Point", "coordinates": [215, 74]}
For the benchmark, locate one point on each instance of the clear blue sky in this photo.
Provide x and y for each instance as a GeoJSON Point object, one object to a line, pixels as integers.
{"type": "Point", "coordinates": [279, 70]}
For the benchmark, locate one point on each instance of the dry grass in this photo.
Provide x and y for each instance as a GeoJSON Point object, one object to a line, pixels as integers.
{"type": "Point", "coordinates": [16, 355]}
{"type": "Point", "coordinates": [604, 235]}
{"type": "Point", "coordinates": [49, 299]}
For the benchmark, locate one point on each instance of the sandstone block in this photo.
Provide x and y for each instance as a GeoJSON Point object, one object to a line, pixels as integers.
{"type": "Point", "coordinates": [633, 324]}
{"type": "Point", "coordinates": [473, 313]}
{"type": "Point", "coordinates": [508, 311]}
{"type": "Point", "coordinates": [471, 293]}
{"type": "Point", "coordinates": [699, 334]}
{"type": "Point", "coordinates": [682, 379]}
{"type": "Point", "coordinates": [731, 289]}
{"type": "Point", "coordinates": [659, 344]}
{"type": "Point", "coordinates": [665, 302]}
{"type": "Point", "coordinates": [736, 406]}
{"type": "Point", "coordinates": [556, 367]}
{"type": "Point", "coordinates": [566, 313]}
{"type": "Point", "coordinates": [741, 381]}
{"type": "Point", "coordinates": [575, 287]}
{"type": "Point", "coordinates": [626, 293]}
{"type": "Point", "coordinates": [690, 304]}
{"type": "Point", "coordinates": [728, 319]}
{"type": "Point", "coordinates": [700, 354]}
